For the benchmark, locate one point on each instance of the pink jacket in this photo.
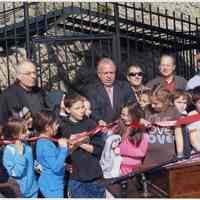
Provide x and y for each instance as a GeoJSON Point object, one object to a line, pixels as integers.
{"type": "Point", "coordinates": [132, 156]}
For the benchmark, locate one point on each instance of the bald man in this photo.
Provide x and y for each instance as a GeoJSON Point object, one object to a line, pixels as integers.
{"type": "Point", "coordinates": [167, 77]}
{"type": "Point", "coordinates": [23, 93]}
{"type": "Point", "coordinates": [107, 95]}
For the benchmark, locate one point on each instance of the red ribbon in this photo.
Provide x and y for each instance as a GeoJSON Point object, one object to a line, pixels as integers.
{"type": "Point", "coordinates": [114, 128]}
{"type": "Point", "coordinates": [136, 125]}
{"type": "Point", "coordinates": [77, 137]}
{"type": "Point", "coordinates": [188, 119]}
{"type": "Point", "coordinates": [179, 122]}
{"type": "Point", "coordinates": [173, 123]}
{"type": "Point", "coordinates": [32, 139]}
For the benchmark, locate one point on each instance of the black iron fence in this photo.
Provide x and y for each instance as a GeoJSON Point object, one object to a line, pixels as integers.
{"type": "Point", "coordinates": [66, 39]}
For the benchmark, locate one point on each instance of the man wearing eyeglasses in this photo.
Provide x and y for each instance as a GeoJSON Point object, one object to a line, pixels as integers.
{"type": "Point", "coordinates": [195, 80]}
{"type": "Point", "coordinates": [107, 95]}
{"type": "Point", "coordinates": [167, 75]}
{"type": "Point", "coordinates": [23, 93]}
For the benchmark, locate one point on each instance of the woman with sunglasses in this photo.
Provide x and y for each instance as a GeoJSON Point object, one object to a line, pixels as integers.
{"type": "Point", "coordinates": [135, 78]}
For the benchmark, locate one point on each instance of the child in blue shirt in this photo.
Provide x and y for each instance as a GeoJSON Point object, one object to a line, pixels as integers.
{"type": "Point", "coordinates": [50, 157]}
{"type": "Point", "coordinates": [18, 159]}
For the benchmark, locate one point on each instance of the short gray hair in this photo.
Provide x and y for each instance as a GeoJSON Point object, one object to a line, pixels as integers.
{"type": "Point", "coordinates": [105, 61]}
{"type": "Point", "coordinates": [21, 67]}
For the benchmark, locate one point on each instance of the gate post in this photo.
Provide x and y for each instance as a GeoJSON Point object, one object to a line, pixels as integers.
{"type": "Point", "coordinates": [116, 43]}
{"type": "Point", "coordinates": [26, 25]}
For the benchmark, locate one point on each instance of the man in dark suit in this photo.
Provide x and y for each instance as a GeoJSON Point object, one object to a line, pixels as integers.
{"type": "Point", "coordinates": [107, 95]}
{"type": "Point", "coordinates": [23, 93]}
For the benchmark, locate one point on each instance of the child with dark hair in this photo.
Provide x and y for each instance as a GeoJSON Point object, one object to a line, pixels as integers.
{"type": "Point", "coordinates": [181, 99]}
{"type": "Point", "coordinates": [86, 170]}
{"type": "Point", "coordinates": [8, 185]}
{"type": "Point", "coordinates": [144, 98]}
{"type": "Point", "coordinates": [25, 115]}
{"type": "Point", "coordinates": [124, 153]}
{"type": "Point", "coordinates": [55, 101]}
{"type": "Point", "coordinates": [18, 158]}
{"type": "Point", "coordinates": [194, 128]}
{"type": "Point", "coordinates": [50, 157]}
{"type": "Point", "coordinates": [134, 144]}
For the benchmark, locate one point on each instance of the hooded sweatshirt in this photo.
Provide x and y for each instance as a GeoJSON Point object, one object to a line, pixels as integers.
{"type": "Point", "coordinates": [21, 167]}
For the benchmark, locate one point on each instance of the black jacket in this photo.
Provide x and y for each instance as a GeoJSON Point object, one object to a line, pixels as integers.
{"type": "Point", "coordinates": [85, 165]}
{"type": "Point", "coordinates": [14, 98]}
{"type": "Point", "coordinates": [101, 106]}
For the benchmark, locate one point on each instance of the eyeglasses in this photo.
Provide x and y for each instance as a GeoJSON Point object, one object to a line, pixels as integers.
{"type": "Point", "coordinates": [136, 74]}
{"type": "Point", "coordinates": [29, 73]}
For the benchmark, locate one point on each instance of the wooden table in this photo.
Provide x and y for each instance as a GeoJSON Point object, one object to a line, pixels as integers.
{"type": "Point", "coordinates": [178, 180]}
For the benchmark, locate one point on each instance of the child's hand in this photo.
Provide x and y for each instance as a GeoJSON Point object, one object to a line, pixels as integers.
{"type": "Point", "coordinates": [73, 137]}
{"type": "Point", "coordinates": [23, 136]}
{"type": "Point", "coordinates": [117, 151]}
{"type": "Point", "coordinates": [145, 122]}
{"type": "Point", "coordinates": [74, 142]}
{"type": "Point", "coordinates": [115, 144]}
{"type": "Point", "coordinates": [68, 167]}
{"type": "Point", "coordinates": [62, 142]}
{"type": "Point", "coordinates": [85, 139]}
{"type": "Point", "coordinates": [38, 168]}
{"type": "Point", "coordinates": [102, 123]}
{"type": "Point", "coordinates": [71, 146]}
{"type": "Point", "coordinates": [19, 146]}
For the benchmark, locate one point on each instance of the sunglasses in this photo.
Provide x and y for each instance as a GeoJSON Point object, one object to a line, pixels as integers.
{"type": "Point", "coordinates": [135, 74]}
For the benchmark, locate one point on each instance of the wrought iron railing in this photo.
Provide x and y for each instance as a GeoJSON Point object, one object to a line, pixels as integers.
{"type": "Point", "coordinates": [83, 32]}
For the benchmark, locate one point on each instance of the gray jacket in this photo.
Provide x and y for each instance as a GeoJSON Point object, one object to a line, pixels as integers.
{"type": "Point", "coordinates": [180, 82]}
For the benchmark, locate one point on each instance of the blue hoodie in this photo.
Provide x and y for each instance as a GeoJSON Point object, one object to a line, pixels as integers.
{"type": "Point", "coordinates": [21, 167]}
{"type": "Point", "coordinates": [51, 159]}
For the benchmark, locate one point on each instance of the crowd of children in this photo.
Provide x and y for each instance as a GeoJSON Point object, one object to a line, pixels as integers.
{"type": "Point", "coordinates": [38, 169]}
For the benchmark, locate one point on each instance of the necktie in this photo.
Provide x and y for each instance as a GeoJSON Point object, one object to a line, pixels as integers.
{"type": "Point", "coordinates": [109, 91]}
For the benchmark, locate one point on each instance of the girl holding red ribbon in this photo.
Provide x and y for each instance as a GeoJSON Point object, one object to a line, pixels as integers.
{"type": "Point", "coordinates": [50, 157]}
{"type": "Point", "coordinates": [18, 158]}
{"type": "Point", "coordinates": [134, 144]}
{"type": "Point", "coordinates": [161, 139]}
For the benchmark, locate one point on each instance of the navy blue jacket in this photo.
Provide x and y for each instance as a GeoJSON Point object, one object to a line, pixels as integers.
{"type": "Point", "coordinates": [101, 106]}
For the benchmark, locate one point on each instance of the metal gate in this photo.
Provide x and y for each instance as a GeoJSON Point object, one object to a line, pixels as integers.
{"type": "Point", "coordinates": [69, 62]}
{"type": "Point", "coordinates": [65, 39]}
